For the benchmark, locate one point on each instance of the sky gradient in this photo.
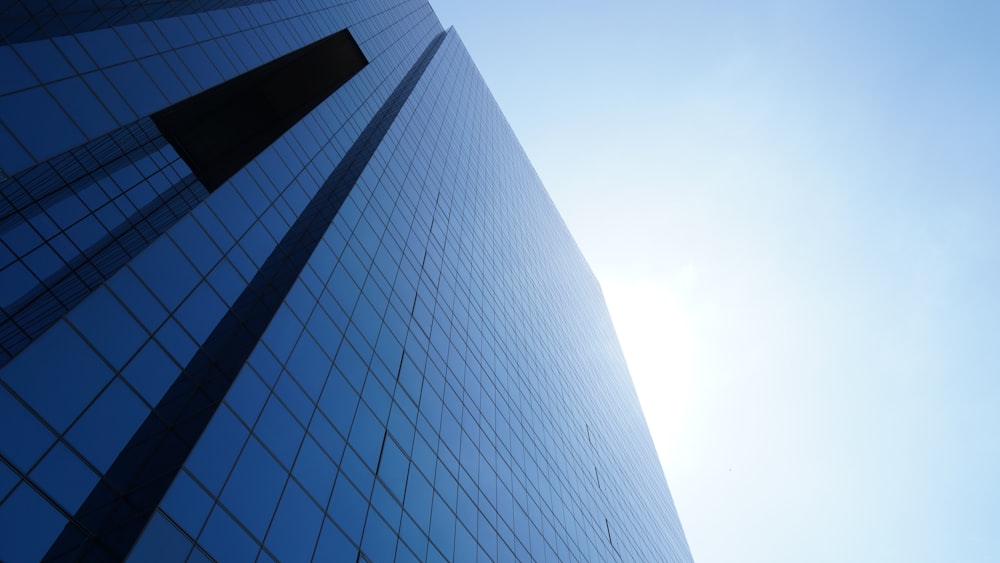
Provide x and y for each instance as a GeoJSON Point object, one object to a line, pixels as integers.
{"type": "Point", "coordinates": [794, 211]}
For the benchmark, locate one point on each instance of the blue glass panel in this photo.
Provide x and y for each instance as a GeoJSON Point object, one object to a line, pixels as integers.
{"type": "Point", "coordinates": [64, 477]}
{"type": "Point", "coordinates": [174, 30]}
{"type": "Point", "coordinates": [400, 427]}
{"type": "Point", "coordinates": [176, 341]}
{"type": "Point", "coordinates": [506, 555]}
{"type": "Point", "coordinates": [296, 401]}
{"type": "Point", "coordinates": [419, 496]}
{"type": "Point", "coordinates": [138, 299]}
{"type": "Point", "coordinates": [13, 157]}
{"type": "Point", "coordinates": [379, 541]}
{"type": "Point", "coordinates": [442, 531]}
{"type": "Point", "coordinates": [184, 76]}
{"type": "Point", "coordinates": [339, 402]}
{"type": "Point", "coordinates": [375, 290]}
{"type": "Point", "coordinates": [315, 470]}
{"type": "Point", "coordinates": [279, 431]}
{"type": "Point", "coordinates": [247, 396]}
{"type": "Point", "coordinates": [423, 456]}
{"type": "Point", "coordinates": [197, 27]}
{"type": "Point", "coordinates": [136, 39]}
{"type": "Point", "coordinates": [16, 75]}
{"type": "Point", "coordinates": [334, 545]}
{"type": "Point", "coordinates": [25, 446]}
{"type": "Point", "coordinates": [389, 350]}
{"type": "Point", "coordinates": [198, 556]}
{"type": "Point", "coordinates": [196, 244]}
{"type": "Point", "coordinates": [161, 542]}
{"type": "Point", "coordinates": [267, 366]}
{"type": "Point", "coordinates": [227, 282]}
{"type": "Point", "coordinates": [348, 508]}
{"type": "Point", "coordinates": [109, 327]}
{"type": "Point", "coordinates": [357, 471]}
{"type": "Point", "coordinates": [58, 386]}
{"type": "Point", "coordinates": [43, 262]}
{"type": "Point", "coordinates": [393, 468]}
{"type": "Point", "coordinates": [324, 330]}
{"type": "Point", "coordinates": [231, 210]}
{"type": "Point", "coordinates": [309, 365]}
{"type": "Point", "coordinates": [465, 545]}
{"type": "Point", "coordinates": [386, 505]}
{"type": "Point", "coordinates": [87, 230]}
{"type": "Point", "coordinates": [154, 34]}
{"type": "Point", "coordinates": [351, 365]}
{"type": "Point", "coordinates": [41, 125]}
{"type": "Point", "coordinates": [187, 504]}
{"type": "Point", "coordinates": [201, 311]}
{"type": "Point", "coordinates": [327, 437]}
{"type": "Point", "coordinates": [282, 333]}
{"type": "Point", "coordinates": [110, 97]}
{"type": "Point", "coordinates": [487, 536]}
{"type": "Point", "coordinates": [254, 487]}
{"type": "Point", "coordinates": [44, 59]}
{"type": "Point", "coordinates": [295, 527]}
{"type": "Point", "coordinates": [17, 280]}
{"type": "Point", "coordinates": [136, 87]}
{"type": "Point", "coordinates": [412, 534]}
{"type": "Point", "coordinates": [212, 224]}
{"type": "Point", "coordinates": [226, 541]}
{"type": "Point", "coordinates": [216, 451]}
{"type": "Point", "coordinates": [405, 555]}
{"type": "Point", "coordinates": [82, 106]}
{"type": "Point", "coordinates": [377, 398]}
{"type": "Point", "coordinates": [244, 266]}
{"type": "Point", "coordinates": [368, 321]}
{"type": "Point", "coordinates": [75, 53]}
{"type": "Point", "coordinates": [8, 479]}
{"type": "Point", "coordinates": [34, 522]}
{"type": "Point", "coordinates": [366, 436]}
{"type": "Point", "coordinates": [104, 46]}
{"type": "Point", "coordinates": [435, 556]}
{"type": "Point", "coordinates": [107, 425]}
{"type": "Point", "coordinates": [165, 270]}
{"type": "Point", "coordinates": [347, 291]}
{"type": "Point", "coordinates": [151, 372]}
{"type": "Point", "coordinates": [165, 79]}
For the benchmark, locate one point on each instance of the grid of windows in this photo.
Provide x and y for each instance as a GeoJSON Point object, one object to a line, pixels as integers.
{"type": "Point", "coordinates": [437, 380]}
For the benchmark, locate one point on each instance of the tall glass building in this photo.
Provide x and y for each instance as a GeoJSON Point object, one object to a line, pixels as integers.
{"type": "Point", "coordinates": [279, 283]}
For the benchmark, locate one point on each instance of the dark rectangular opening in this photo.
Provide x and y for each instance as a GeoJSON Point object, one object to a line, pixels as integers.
{"type": "Point", "coordinates": [220, 130]}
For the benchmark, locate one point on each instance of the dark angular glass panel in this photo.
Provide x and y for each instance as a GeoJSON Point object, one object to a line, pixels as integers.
{"type": "Point", "coordinates": [223, 128]}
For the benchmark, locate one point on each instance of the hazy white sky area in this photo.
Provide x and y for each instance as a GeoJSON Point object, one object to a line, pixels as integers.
{"type": "Point", "coordinates": [794, 211]}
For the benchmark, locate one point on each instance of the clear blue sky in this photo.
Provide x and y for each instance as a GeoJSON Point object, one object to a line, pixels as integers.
{"type": "Point", "coordinates": [794, 209]}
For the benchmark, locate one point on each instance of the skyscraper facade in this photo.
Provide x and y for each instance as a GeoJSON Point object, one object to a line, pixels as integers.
{"type": "Point", "coordinates": [279, 283]}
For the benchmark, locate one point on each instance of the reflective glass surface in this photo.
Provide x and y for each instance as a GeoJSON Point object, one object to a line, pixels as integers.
{"type": "Point", "coordinates": [376, 338]}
